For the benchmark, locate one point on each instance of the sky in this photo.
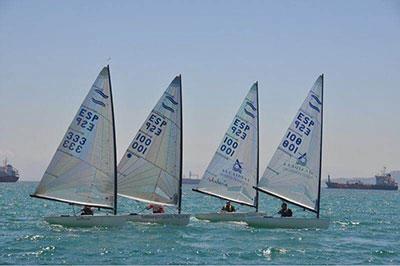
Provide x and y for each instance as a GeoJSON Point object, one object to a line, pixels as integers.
{"type": "Point", "coordinates": [52, 51]}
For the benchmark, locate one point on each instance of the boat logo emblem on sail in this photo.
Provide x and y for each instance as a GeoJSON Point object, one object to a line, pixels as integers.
{"type": "Point", "coordinates": [102, 95]}
{"type": "Point", "coordinates": [237, 166]}
{"type": "Point", "coordinates": [313, 106]}
{"type": "Point", "coordinates": [302, 160]}
{"type": "Point", "coordinates": [248, 112]}
{"type": "Point", "coordinates": [172, 100]}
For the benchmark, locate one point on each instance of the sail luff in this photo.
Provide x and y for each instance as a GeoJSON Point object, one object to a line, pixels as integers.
{"type": "Point", "coordinates": [181, 148]}
{"type": "Point", "coordinates": [258, 151]}
{"type": "Point", "coordinates": [115, 143]}
{"type": "Point", "coordinates": [320, 149]}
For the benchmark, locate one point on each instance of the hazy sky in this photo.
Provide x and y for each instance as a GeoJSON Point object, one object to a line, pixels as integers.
{"type": "Point", "coordinates": [52, 51]}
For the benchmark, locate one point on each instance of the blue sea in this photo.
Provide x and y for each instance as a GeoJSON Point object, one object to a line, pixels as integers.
{"type": "Point", "coordinates": [364, 229]}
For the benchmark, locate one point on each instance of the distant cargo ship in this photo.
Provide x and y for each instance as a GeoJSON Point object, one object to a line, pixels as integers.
{"type": "Point", "coordinates": [384, 182]}
{"type": "Point", "coordinates": [191, 180]}
{"type": "Point", "coordinates": [8, 173]}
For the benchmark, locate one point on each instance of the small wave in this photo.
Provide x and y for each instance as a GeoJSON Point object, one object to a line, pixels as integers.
{"type": "Point", "coordinates": [42, 251]}
{"type": "Point", "coordinates": [346, 223]}
{"type": "Point", "coordinates": [384, 253]}
{"type": "Point", "coordinates": [30, 237]}
{"type": "Point", "coordinates": [270, 252]}
{"type": "Point", "coordinates": [238, 223]}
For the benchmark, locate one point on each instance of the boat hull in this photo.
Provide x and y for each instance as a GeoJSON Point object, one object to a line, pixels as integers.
{"type": "Point", "coordinates": [9, 179]}
{"type": "Point", "coordinates": [188, 181]}
{"type": "Point", "coordinates": [159, 218]}
{"type": "Point", "coordinates": [87, 220]}
{"type": "Point", "coordinates": [361, 186]}
{"type": "Point", "coordinates": [287, 222]}
{"type": "Point", "coordinates": [227, 216]}
{"type": "Point", "coordinates": [118, 220]}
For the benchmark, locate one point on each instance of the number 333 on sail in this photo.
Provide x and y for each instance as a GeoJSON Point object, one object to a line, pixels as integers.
{"type": "Point", "coordinates": [73, 142]}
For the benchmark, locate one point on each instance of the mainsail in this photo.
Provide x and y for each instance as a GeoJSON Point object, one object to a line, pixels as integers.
{"type": "Point", "coordinates": [150, 170]}
{"type": "Point", "coordinates": [82, 170]}
{"type": "Point", "coordinates": [233, 171]}
{"type": "Point", "coordinates": [293, 174]}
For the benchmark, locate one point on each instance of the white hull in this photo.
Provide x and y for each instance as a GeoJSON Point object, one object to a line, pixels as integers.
{"type": "Point", "coordinates": [159, 218]}
{"type": "Point", "coordinates": [87, 220]}
{"type": "Point", "coordinates": [227, 216]}
{"type": "Point", "coordinates": [287, 222]}
{"type": "Point", "coordinates": [118, 220]}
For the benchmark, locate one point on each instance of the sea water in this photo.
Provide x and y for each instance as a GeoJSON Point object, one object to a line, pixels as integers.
{"type": "Point", "coordinates": [364, 229]}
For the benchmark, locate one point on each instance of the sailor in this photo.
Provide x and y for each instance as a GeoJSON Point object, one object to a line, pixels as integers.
{"type": "Point", "coordinates": [156, 208]}
{"type": "Point", "coordinates": [285, 211]}
{"type": "Point", "coordinates": [86, 210]}
{"type": "Point", "coordinates": [228, 207]}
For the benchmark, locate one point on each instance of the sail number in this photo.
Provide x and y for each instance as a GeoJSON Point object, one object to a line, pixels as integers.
{"type": "Point", "coordinates": [155, 124]}
{"type": "Point", "coordinates": [74, 142]}
{"type": "Point", "coordinates": [240, 128]}
{"type": "Point", "coordinates": [86, 119]}
{"type": "Point", "coordinates": [304, 123]}
{"type": "Point", "coordinates": [141, 143]}
{"type": "Point", "coordinates": [292, 142]}
{"type": "Point", "coordinates": [229, 146]}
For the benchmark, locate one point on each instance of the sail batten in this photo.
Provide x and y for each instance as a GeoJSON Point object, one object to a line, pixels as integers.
{"type": "Point", "coordinates": [82, 169]}
{"type": "Point", "coordinates": [150, 169]}
{"type": "Point", "coordinates": [232, 172]}
{"type": "Point", "coordinates": [293, 174]}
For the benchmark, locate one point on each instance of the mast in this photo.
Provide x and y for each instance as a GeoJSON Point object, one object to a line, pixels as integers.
{"type": "Point", "coordinates": [181, 137]}
{"type": "Point", "coordinates": [320, 148]}
{"type": "Point", "coordinates": [258, 148]}
{"type": "Point", "coordinates": [115, 144]}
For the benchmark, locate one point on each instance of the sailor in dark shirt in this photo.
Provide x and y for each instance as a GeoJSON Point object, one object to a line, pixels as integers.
{"type": "Point", "coordinates": [285, 211]}
{"type": "Point", "coordinates": [86, 210]}
{"type": "Point", "coordinates": [228, 207]}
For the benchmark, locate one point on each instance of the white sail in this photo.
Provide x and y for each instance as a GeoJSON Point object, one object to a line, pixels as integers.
{"type": "Point", "coordinates": [294, 170]}
{"type": "Point", "coordinates": [82, 169]}
{"type": "Point", "coordinates": [150, 170]}
{"type": "Point", "coordinates": [232, 172]}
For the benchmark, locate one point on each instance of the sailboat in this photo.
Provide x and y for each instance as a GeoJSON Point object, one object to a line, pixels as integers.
{"type": "Point", "coordinates": [233, 170]}
{"type": "Point", "coordinates": [294, 172]}
{"type": "Point", "coordinates": [83, 170]}
{"type": "Point", "coordinates": [151, 169]}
